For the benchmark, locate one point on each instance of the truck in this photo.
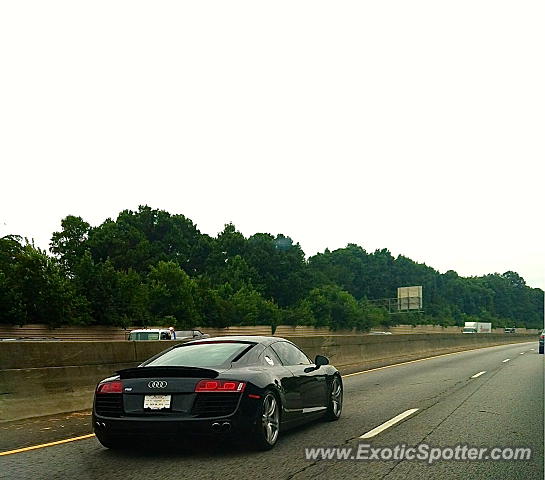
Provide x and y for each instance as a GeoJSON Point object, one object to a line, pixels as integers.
{"type": "Point", "coordinates": [477, 327]}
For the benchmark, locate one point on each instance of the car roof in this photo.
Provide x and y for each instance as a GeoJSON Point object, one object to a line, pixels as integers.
{"type": "Point", "coordinates": [240, 338]}
{"type": "Point", "coordinates": [149, 330]}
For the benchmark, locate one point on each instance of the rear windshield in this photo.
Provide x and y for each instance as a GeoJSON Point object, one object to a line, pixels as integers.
{"type": "Point", "coordinates": [200, 355]}
{"type": "Point", "coordinates": [144, 336]}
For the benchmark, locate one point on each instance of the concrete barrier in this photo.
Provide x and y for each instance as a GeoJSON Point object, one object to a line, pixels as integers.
{"type": "Point", "coordinates": [43, 354]}
{"type": "Point", "coordinates": [45, 378]}
{"type": "Point", "coordinates": [352, 353]}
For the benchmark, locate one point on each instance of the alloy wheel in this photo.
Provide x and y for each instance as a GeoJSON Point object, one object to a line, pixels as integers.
{"type": "Point", "coordinates": [336, 397]}
{"type": "Point", "coordinates": [270, 418]}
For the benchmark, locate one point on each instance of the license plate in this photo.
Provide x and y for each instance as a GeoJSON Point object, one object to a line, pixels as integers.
{"type": "Point", "coordinates": [157, 402]}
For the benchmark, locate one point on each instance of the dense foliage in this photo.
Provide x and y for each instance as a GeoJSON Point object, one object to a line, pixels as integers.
{"type": "Point", "coordinates": [151, 267]}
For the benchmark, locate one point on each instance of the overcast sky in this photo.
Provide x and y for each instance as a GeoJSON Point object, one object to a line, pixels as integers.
{"type": "Point", "coordinates": [412, 126]}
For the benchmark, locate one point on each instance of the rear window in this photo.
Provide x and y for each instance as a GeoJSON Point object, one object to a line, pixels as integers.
{"type": "Point", "coordinates": [144, 336]}
{"type": "Point", "coordinates": [201, 355]}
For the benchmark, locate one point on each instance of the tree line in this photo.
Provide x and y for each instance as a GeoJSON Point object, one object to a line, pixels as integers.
{"type": "Point", "coordinates": [149, 267]}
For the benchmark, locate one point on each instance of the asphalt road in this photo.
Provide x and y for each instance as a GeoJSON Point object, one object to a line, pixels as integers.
{"type": "Point", "coordinates": [502, 407]}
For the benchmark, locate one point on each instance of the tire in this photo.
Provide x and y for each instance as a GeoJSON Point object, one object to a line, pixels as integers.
{"type": "Point", "coordinates": [335, 401]}
{"type": "Point", "coordinates": [541, 349]}
{"type": "Point", "coordinates": [267, 428]}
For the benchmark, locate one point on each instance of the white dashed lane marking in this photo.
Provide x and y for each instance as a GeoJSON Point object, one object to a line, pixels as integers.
{"type": "Point", "coordinates": [389, 423]}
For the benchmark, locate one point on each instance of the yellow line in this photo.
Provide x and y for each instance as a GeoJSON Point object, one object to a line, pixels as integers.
{"type": "Point", "coordinates": [43, 445]}
{"type": "Point", "coordinates": [427, 358]}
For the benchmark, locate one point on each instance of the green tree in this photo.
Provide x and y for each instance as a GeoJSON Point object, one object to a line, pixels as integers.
{"type": "Point", "coordinates": [141, 239]}
{"type": "Point", "coordinates": [335, 308]}
{"type": "Point", "coordinates": [70, 243]}
{"type": "Point", "coordinates": [250, 308]}
{"type": "Point", "coordinates": [171, 293]}
{"type": "Point", "coordinates": [34, 287]}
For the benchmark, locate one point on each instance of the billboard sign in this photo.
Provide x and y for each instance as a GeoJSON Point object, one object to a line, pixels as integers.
{"type": "Point", "coordinates": [409, 298]}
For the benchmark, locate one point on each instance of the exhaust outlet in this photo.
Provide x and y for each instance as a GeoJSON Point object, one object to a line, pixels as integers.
{"type": "Point", "coordinates": [216, 427]}
{"type": "Point", "coordinates": [225, 427]}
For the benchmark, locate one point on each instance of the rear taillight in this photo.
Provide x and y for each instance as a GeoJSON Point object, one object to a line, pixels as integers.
{"type": "Point", "coordinates": [220, 386]}
{"type": "Point", "coordinates": [111, 387]}
{"type": "Point", "coordinates": [542, 337]}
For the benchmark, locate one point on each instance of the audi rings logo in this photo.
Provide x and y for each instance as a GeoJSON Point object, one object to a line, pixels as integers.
{"type": "Point", "coordinates": [157, 384]}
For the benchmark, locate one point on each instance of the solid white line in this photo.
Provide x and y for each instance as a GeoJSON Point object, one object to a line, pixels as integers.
{"type": "Point", "coordinates": [531, 349]}
{"type": "Point", "coordinates": [389, 423]}
{"type": "Point", "coordinates": [479, 374]}
{"type": "Point", "coordinates": [506, 360]}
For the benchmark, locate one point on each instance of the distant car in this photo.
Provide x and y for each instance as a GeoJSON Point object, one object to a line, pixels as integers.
{"type": "Point", "coordinates": [247, 386]}
{"type": "Point", "coordinates": [194, 334]}
{"type": "Point", "coordinates": [509, 330]}
{"type": "Point", "coordinates": [541, 340]}
{"type": "Point", "coordinates": [380, 333]}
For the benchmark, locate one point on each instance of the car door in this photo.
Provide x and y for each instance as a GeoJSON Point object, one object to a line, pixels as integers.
{"type": "Point", "coordinates": [293, 400]}
{"type": "Point", "coordinates": [310, 381]}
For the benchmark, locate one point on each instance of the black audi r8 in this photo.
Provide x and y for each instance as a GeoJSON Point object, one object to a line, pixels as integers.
{"type": "Point", "coordinates": [254, 387]}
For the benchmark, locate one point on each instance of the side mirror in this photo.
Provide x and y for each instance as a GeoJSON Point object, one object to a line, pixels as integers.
{"type": "Point", "coordinates": [321, 360]}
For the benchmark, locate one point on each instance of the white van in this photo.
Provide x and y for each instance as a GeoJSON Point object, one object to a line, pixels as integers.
{"type": "Point", "coordinates": [150, 334]}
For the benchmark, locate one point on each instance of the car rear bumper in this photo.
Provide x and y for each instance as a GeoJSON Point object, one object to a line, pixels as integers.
{"type": "Point", "coordinates": [132, 427]}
